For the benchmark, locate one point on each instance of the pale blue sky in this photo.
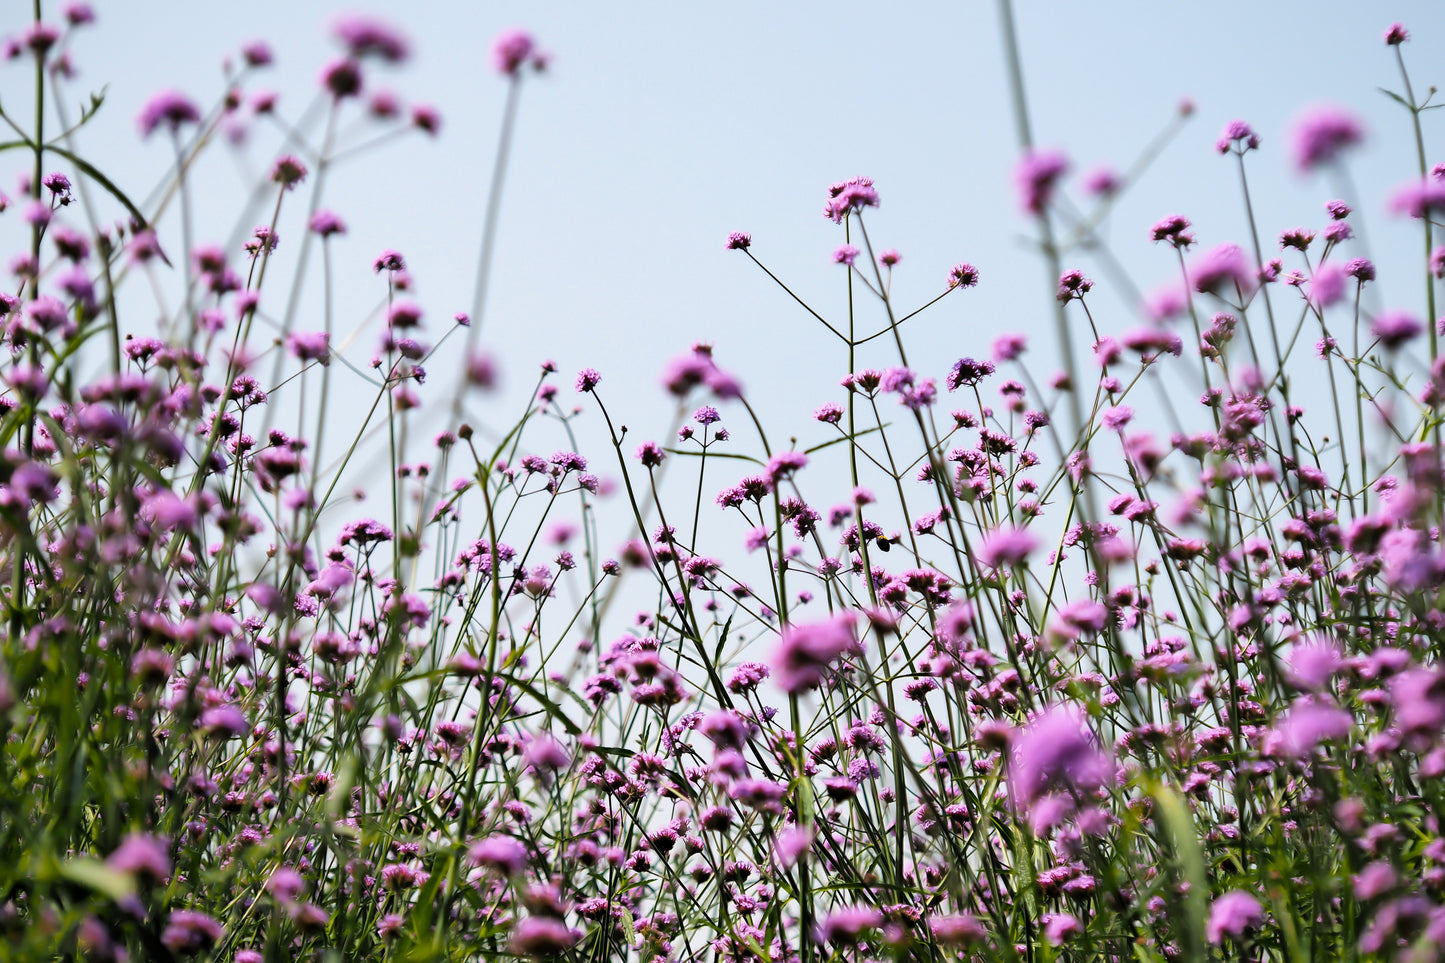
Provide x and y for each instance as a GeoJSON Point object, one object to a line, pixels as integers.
{"type": "Point", "coordinates": [662, 126]}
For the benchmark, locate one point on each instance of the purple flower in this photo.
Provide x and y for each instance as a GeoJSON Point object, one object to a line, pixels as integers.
{"type": "Point", "coordinates": [170, 108]}
{"type": "Point", "coordinates": [189, 931]}
{"type": "Point", "coordinates": [847, 924]}
{"type": "Point", "coordinates": [1220, 269]}
{"type": "Point", "coordinates": [1418, 698]}
{"type": "Point", "coordinates": [288, 171]}
{"type": "Point", "coordinates": [962, 275]}
{"type": "Point", "coordinates": [1307, 724]}
{"type": "Point", "coordinates": [1321, 133]}
{"type": "Point", "coordinates": [1060, 926]}
{"type": "Point", "coordinates": [1419, 198]}
{"type": "Point", "coordinates": [1394, 328]}
{"type": "Point", "coordinates": [1231, 915]}
{"type": "Point", "coordinates": [739, 241]}
{"type": "Point", "coordinates": [501, 853]}
{"type": "Point", "coordinates": [1328, 285]}
{"type": "Point", "coordinates": [1102, 182]}
{"type": "Point", "coordinates": [144, 856]}
{"type": "Point", "coordinates": [791, 844]}
{"type": "Point", "coordinates": [224, 722]}
{"type": "Point", "coordinates": [1055, 751]}
{"type": "Point", "coordinates": [342, 77]}
{"type": "Point", "coordinates": [365, 35]}
{"type": "Point", "coordinates": [1237, 136]}
{"type": "Point", "coordinates": [806, 651]}
{"type": "Point", "coordinates": [844, 197]}
{"type": "Point", "coordinates": [511, 50]}
{"type": "Point", "coordinates": [1396, 34]}
{"type": "Point", "coordinates": [1312, 663]}
{"type": "Point", "coordinates": [543, 936]}
{"type": "Point", "coordinates": [961, 930]}
{"type": "Point", "coordinates": [846, 254]}
{"type": "Point", "coordinates": [587, 379]}
{"type": "Point", "coordinates": [1006, 548]}
{"type": "Point", "coordinates": [1037, 173]}
{"type": "Point", "coordinates": [310, 346]}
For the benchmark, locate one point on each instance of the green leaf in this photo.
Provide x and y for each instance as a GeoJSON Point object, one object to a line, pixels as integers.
{"type": "Point", "coordinates": [1396, 98]}
{"type": "Point", "coordinates": [628, 930]}
{"type": "Point", "coordinates": [553, 709]}
{"type": "Point", "coordinates": [1185, 840]}
{"type": "Point", "coordinates": [91, 873]}
{"type": "Point", "coordinates": [90, 171]}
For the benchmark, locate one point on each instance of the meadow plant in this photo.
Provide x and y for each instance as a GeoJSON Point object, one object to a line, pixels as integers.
{"type": "Point", "coordinates": [1139, 660]}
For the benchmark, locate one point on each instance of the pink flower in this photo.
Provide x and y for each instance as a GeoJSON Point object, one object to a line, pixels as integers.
{"type": "Point", "coordinates": [1037, 173]}
{"type": "Point", "coordinates": [511, 50]}
{"type": "Point", "coordinates": [1006, 548]}
{"type": "Point", "coordinates": [1232, 915]}
{"type": "Point", "coordinates": [364, 35]}
{"type": "Point", "coordinates": [805, 652]}
{"type": "Point", "coordinates": [170, 108]}
{"type": "Point", "coordinates": [1321, 133]}
{"type": "Point", "coordinates": [143, 856]}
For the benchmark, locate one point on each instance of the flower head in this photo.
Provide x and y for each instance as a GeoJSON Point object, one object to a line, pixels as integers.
{"type": "Point", "coordinates": [511, 50]}
{"type": "Point", "coordinates": [1036, 175]}
{"type": "Point", "coordinates": [1321, 133]}
{"type": "Point", "coordinates": [805, 652]}
{"type": "Point", "coordinates": [1233, 914]}
{"type": "Point", "coordinates": [169, 108]}
{"type": "Point", "coordinates": [366, 36]}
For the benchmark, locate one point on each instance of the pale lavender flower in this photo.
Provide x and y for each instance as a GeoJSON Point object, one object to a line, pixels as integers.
{"type": "Point", "coordinates": [1321, 133]}
{"type": "Point", "coordinates": [805, 652]}
{"type": "Point", "coordinates": [1233, 914]}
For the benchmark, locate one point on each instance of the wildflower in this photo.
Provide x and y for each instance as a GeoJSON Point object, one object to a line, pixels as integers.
{"type": "Point", "coordinates": [1073, 284]}
{"type": "Point", "coordinates": [310, 346]}
{"type": "Point", "coordinates": [962, 275]}
{"type": "Point", "coordinates": [143, 856]}
{"type": "Point", "coordinates": [1233, 914]}
{"type": "Point", "coordinates": [543, 936]}
{"type": "Point", "coordinates": [650, 454]}
{"type": "Point", "coordinates": [1238, 137]}
{"type": "Point", "coordinates": [1006, 548]}
{"type": "Point", "coordinates": [288, 171]}
{"type": "Point", "coordinates": [889, 258]}
{"type": "Point", "coordinates": [1173, 229]}
{"type": "Point", "coordinates": [846, 254]}
{"type": "Point", "coordinates": [1055, 751]}
{"type": "Point", "coordinates": [342, 78]}
{"type": "Point", "coordinates": [805, 652]}
{"type": "Point", "coordinates": [739, 241]}
{"type": "Point", "coordinates": [1321, 134]}
{"type": "Point", "coordinates": [1306, 725]}
{"type": "Point", "coordinates": [364, 36]}
{"type": "Point", "coordinates": [847, 924]}
{"type": "Point", "coordinates": [587, 379]}
{"type": "Point", "coordinates": [1419, 198]}
{"type": "Point", "coordinates": [1327, 287]}
{"type": "Point", "coordinates": [847, 196]}
{"type": "Point", "coordinates": [511, 50]}
{"type": "Point", "coordinates": [1394, 328]}
{"type": "Point", "coordinates": [501, 853]}
{"type": "Point", "coordinates": [1220, 267]}
{"type": "Point", "coordinates": [1036, 174]}
{"type": "Point", "coordinates": [169, 108]}
{"type": "Point", "coordinates": [190, 931]}
{"type": "Point", "coordinates": [1058, 927]}
{"type": "Point", "coordinates": [1312, 663]}
{"type": "Point", "coordinates": [1102, 182]}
